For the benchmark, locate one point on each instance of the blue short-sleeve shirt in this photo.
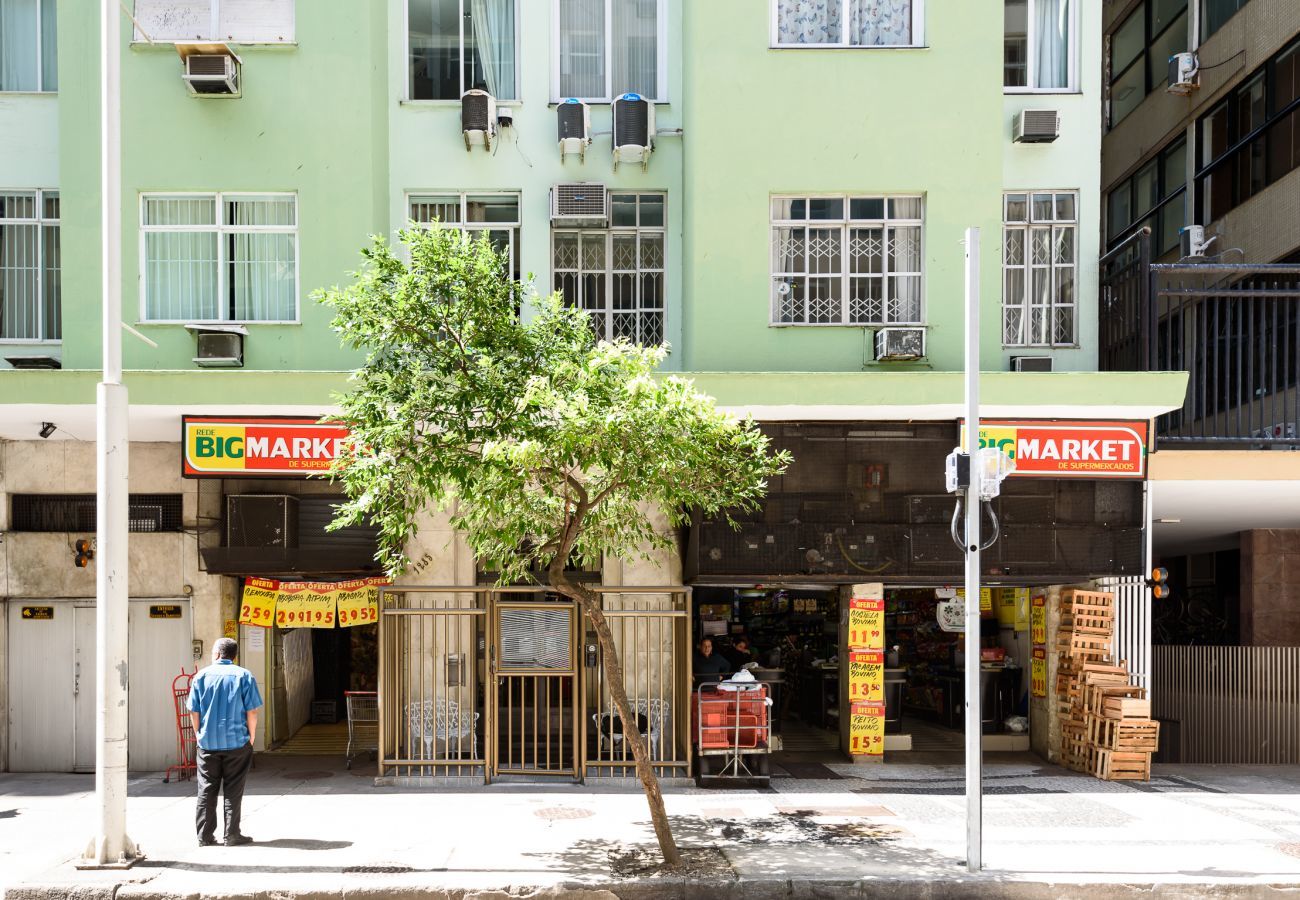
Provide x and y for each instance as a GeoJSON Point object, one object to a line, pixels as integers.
{"type": "Point", "coordinates": [222, 694]}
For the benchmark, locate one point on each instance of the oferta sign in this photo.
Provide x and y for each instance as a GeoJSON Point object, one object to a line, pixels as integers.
{"type": "Point", "coordinates": [265, 446]}
{"type": "Point", "coordinates": [1070, 449]}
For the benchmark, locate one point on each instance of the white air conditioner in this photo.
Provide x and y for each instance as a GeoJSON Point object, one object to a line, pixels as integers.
{"type": "Point", "coordinates": [219, 346]}
{"type": "Point", "coordinates": [1192, 241]}
{"type": "Point", "coordinates": [1036, 126]}
{"type": "Point", "coordinates": [478, 119]}
{"type": "Point", "coordinates": [574, 120]}
{"type": "Point", "coordinates": [900, 344]}
{"type": "Point", "coordinates": [212, 74]}
{"type": "Point", "coordinates": [1183, 74]}
{"type": "Point", "coordinates": [1031, 364]}
{"type": "Point", "coordinates": [634, 130]}
{"type": "Point", "coordinates": [580, 204]}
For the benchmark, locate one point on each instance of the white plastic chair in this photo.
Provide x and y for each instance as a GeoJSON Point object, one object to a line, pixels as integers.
{"type": "Point", "coordinates": [443, 721]}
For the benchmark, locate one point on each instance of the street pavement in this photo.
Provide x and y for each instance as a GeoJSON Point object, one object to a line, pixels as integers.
{"type": "Point", "coordinates": [885, 830]}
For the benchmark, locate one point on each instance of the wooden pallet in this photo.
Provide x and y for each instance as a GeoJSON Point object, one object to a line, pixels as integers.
{"type": "Point", "coordinates": [1075, 600]}
{"type": "Point", "coordinates": [1121, 765]}
{"type": "Point", "coordinates": [1127, 735]}
{"type": "Point", "coordinates": [1126, 707]}
{"type": "Point", "coordinates": [1083, 646]}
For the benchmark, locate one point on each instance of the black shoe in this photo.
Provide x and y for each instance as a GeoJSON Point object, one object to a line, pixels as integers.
{"type": "Point", "coordinates": [207, 842]}
{"type": "Point", "coordinates": [238, 840]}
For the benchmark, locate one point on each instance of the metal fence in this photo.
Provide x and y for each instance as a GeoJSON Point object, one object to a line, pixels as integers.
{"type": "Point", "coordinates": [1228, 705]}
{"type": "Point", "coordinates": [1132, 638]}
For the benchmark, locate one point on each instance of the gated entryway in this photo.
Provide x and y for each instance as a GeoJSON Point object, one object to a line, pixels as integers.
{"type": "Point", "coordinates": [490, 683]}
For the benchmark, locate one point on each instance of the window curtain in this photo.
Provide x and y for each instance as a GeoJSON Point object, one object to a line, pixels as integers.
{"type": "Point", "coordinates": [1052, 40]}
{"type": "Point", "coordinates": [494, 35]}
{"type": "Point", "coordinates": [262, 266]}
{"type": "Point", "coordinates": [49, 47]}
{"type": "Point", "coordinates": [880, 23]}
{"type": "Point", "coordinates": [18, 70]}
{"type": "Point", "coordinates": [181, 266]}
{"type": "Point", "coordinates": [582, 48]}
{"type": "Point", "coordinates": [635, 53]}
{"type": "Point", "coordinates": [808, 21]}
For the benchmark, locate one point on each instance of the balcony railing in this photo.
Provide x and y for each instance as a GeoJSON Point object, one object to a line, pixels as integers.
{"type": "Point", "coordinates": [1233, 328]}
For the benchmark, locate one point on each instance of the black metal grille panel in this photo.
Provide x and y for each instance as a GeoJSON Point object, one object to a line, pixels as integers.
{"type": "Point", "coordinates": [76, 512]}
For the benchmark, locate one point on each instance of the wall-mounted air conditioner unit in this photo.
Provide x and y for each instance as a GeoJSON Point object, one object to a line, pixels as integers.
{"type": "Point", "coordinates": [584, 204]}
{"type": "Point", "coordinates": [262, 521]}
{"type": "Point", "coordinates": [478, 119]}
{"type": "Point", "coordinates": [219, 346]}
{"type": "Point", "coordinates": [634, 130]}
{"type": "Point", "coordinates": [210, 74]}
{"type": "Point", "coordinates": [1193, 242]}
{"type": "Point", "coordinates": [1183, 74]}
{"type": "Point", "coordinates": [1031, 364]}
{"type": "Point", "coordinates": [1036, 126]}
{"type": "Point", "coordinates": [574, 120]}
{"type": "Point", "coordinates": [900, 344]}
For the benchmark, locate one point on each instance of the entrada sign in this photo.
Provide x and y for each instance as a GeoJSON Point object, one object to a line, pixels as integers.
{"type": "Point", "coordinates": [1075, 449]}
{"type": "Point", "coordinates": [267, 446]}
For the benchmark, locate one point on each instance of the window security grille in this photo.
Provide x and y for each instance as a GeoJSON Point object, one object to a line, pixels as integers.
{"type": "Point", "coordinates": [76, 512]}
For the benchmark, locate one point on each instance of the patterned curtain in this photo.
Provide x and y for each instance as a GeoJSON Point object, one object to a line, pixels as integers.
{"type": "Point", "coordinates": [808, 21]}
{"type": "Point", "coordinates": [880, 23]}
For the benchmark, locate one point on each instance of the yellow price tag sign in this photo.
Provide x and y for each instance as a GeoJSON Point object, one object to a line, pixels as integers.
{"type": "Point", "coordinates": [867, 624]}
{"type": "Point", "coordinates": [867, 729]}
{"type": "Point", "coordinates": [358, 603]}
{"type": "Point", "coordinates": [319, 603]}
{"type": "Point", "coordinates": [1038, 673]}
{"type": "Point", "coordinates": [866, 676]}
{"type": "Point", "coordinates": [257, 605]}
{"type": "Point", "coordinates": [1038, 620]}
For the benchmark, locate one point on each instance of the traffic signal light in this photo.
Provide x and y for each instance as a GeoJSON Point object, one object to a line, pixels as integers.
{"type": "Point", "coordinates": [85, 553]}
{"type": "Point", "coordinates": [1159, 583]}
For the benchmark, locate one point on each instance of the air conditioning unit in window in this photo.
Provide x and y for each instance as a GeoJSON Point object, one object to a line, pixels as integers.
{"type": "Point", "coordinates": [211, 74]}
{"type": "Point", "coordinates": [219, 346]}
{"type": "Point", "coordinates": [1183, 74]}
{"type": "Point", "coordinates": [1036, 126]}
{"type": "Point", "coordinates": [478, 119]}
{"type": "Point", "coordinates": [574, 119]}
{"type": "Point", "coordinates": [634, 130]}
{"type": "Point", "coordinates": [580, 204]}
{"type": "Point", "coordinates": [900, 344]}
{"type": "Point", "coordinates": [1031, 364]}
{"type": "Point", "coordinates": [1193, 242]}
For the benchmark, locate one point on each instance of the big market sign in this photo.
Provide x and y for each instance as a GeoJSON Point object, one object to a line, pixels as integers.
{"type": "Point", "coordinates": [265, 446]}
{"type": "Point", "coordinates": [1070, 449]}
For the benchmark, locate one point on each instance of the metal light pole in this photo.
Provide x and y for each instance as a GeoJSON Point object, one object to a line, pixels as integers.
{"type": "Point", "coordinates": [110, 847]}
{"type": "Point", "coordinates": [974, 731]}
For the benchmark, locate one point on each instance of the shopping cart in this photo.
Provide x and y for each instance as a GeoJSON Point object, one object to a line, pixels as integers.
{"type": "Point", "coordinates": [732, 732]}
{"type": "Point", "coordinates": [186, 742]}
{"type": "Point", "coordinates": [363, 722]}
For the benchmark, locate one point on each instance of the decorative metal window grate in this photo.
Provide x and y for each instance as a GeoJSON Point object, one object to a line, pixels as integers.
{"type": "Point", "coordinates": [76, 512]}
{"type": "Point", "coordinates": [1039, 257]}
{"type": "Point", "coordinates": [30, 268]}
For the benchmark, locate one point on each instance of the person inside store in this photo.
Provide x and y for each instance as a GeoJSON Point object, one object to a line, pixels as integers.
{"type": "Point", "coordinates": [710, 666]}
{"type": "Point", "coordinates": [741, 652]}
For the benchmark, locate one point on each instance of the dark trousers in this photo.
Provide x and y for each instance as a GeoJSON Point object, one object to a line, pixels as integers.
{"type": "Point", "coordinates": [224, 771]}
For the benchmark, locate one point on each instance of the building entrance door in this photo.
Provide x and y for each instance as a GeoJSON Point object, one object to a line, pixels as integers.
{"type": "Point", "coordinates": [534, 722]}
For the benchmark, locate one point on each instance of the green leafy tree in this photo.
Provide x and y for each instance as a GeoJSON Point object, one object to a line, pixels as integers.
{"type": "Point", "coordinates": [544, 444]}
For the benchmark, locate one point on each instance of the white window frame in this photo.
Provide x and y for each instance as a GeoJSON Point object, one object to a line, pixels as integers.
{"type": "Point", "coordinates": [605, 313]}
{"type": "Point", "coordinates": [845, 224]}
{"type": "Point", "coordinates": [40, 59]}
{"type": "Point", "coordinates": [470, 228]}
{"type": "Point", "coordinates": [138, 36]}
{"type": "Point", "coordinates": [406, 50]}
{"type": "Point", "coordinates": [918, 31]}
{"type": "Point", "coordinates": [221, 229]}
{"type": "Point", "coordinates": [1072, 85]}
{"type": "Point", "coordinates": [1026, 267]}
{"type": "Point", "coordinates": [41, 222]}
{"type": "Point", "coordinates": [661, 53]}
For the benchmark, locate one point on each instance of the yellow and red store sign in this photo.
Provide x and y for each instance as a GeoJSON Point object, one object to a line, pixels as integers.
{"type": "Point", "coordinates": [1070, 449]}
{"type": "Point", "coordinates": [243, 447]}
{"type": "Point", "coordinates": [310, 604]}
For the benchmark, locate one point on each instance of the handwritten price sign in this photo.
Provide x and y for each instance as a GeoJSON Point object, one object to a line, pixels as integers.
{"type": "Point", "coordinates": [357, 603]}
{"type": "Point", "coordinates": [1038, 673]}
{"type": "Point", "coordinates": [866, 676]}
{"type": "Point", "coordinates": [867, 729]}
{"type": "Point", "coordinates": [1038, 620]}
{"type": "Point", "coordinates": [867, 623]}
{"type": "Point", "coordinates": [257, 605]}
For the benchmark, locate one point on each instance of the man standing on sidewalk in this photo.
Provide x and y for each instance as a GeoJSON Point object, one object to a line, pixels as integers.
{"type": "Point", "coordinates": [223, 705]}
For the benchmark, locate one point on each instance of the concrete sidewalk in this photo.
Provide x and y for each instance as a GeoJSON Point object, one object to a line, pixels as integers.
{"type": "Point", "coordinates": [887, 830]}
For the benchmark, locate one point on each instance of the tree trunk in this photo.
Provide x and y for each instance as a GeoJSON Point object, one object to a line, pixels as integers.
{"type": "Point", "coordinates": [589, 601]}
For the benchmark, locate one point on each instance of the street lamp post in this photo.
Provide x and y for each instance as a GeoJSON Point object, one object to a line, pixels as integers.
{"type": "Point", "coordinates": [974, 731]}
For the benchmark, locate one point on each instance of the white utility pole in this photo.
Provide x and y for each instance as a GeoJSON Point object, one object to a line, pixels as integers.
{"type": "Point", "coordinates": [110, 847]}
{"type": "Point", "coordinates": [974, 731]}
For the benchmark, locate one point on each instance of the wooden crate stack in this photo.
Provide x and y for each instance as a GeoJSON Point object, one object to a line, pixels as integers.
{"type": "Point", "coordinates": [1106, 725]}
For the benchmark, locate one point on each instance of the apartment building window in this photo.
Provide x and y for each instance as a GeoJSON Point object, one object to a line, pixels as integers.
{"type": "Point", "coordinates": [457, 45]}
{"type": "Point", "coordinates": [234, 21]}
{"type": "Point", "coordinates": [1216, 13]}
{"type": "Point", "coordinates": [29, 59]}
{"type": "Point", "coordinates": [1155, 196]}
{"type": "Point", "coordinates": [846, 260]}
{"type": "Point", "coordinates": [1139, 53]}
{"type": "Point", "coordinates": [1252, 138]}
{"type": "Point", "coordinates": [617, 273]}
{"type": "Point", "coordinates": [493, 215]}
{"type": "Point", "coordinates": [1039, 45]}
{"type": "Point", "coordinates": [29, 266]}
{"type": "Point", "coordinates": [607, 48]}
{"type": "Point", "coordinates": [219, 257]}
{"type": "Point", "coordinates": [1039, 268]}
{"type": "Point", "coordinates": [846, 23]}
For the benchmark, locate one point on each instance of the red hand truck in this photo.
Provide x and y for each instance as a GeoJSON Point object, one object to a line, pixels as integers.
{"type": "Point", "coordinates": [186, 739]}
